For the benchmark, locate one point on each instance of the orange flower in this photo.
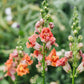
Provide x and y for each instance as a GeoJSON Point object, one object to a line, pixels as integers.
{"type": "Point", "coordinates": [32, 41]}
{"type": "Point", "coordinates": [9, 62]}
{"type": "Point", "coordinates": [46, 34]}
{"type": "Point", "coordinates": [62, 61]}
{"type": "Point", "coordinates": [53, 57]}
{"type": "Point", "coordinates": [22, 69]}
{"type": "Point", "coordinates": [28, 60]}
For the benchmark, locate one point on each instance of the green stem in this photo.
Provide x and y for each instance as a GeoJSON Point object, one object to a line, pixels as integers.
{"type": "Point", "coordinates": [43, 64]}
{"type": "Point", "coordinates": [74, 60]}
{"type": "Point", "coordinates": [73, 75]}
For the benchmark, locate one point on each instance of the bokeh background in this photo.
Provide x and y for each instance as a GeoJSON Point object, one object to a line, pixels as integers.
{"type": "Point", "coordinates": [20, 21]}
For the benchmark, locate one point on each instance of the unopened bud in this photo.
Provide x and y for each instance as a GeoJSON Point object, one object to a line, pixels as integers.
{"type": "Point", "coordinates": [80, 37]}
{"type": "Point", "coordinates": [17, 47]}
{"type": "Point", "coordinates": [75, 32]}
{"type": "Point", "coordinates": [20, 52]}
{"type": "Point", "coordinates": [41, 11]}
{"type": "Point", "coordinates": [79, 28]}
{"type": "Point", "coordinates": [80, 45]}
{"type": "Point", "coordinates": [72, 26]}
{"type": "Point", "coordinates": [37, 25]}
{"type": "Point", "coordinates": [41, 21]}
{"type": "Point", "coordinates": [70, 38]}
{"type": "Point", "coordinates": [70, 44]}
{"type": "Point", "coordinates": [45, 7]}
{"type": "Point", "coordinates": [51, 25]}
{"type": "Point", "coordinates": [20, 46]}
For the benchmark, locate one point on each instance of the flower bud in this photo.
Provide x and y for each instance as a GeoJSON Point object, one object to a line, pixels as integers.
{"type": "Point", "coordinates": [20, 52]}
{"type": "Point", "coordinates": [48, 16]}
{"type": "Point", "coordinates": [80, 45]}
{"type": "Point", "coordinates": [17, 47]}
{"type": "Point", "coordinates": [78, 28]}
{"type": "Point", "coordinates": [20, 47]}
{"type": "Point", "coordinates": [76, 21]}
{"type": "Point", "coordinates": [41, 21]}
{"type": "Point", "coordinates": [74, 24]}
{"type": "Point", "coordinates": [45, 7]}
{"type": "Point", "coordinates": [37, 25]}
{"type": "Point", "coordinates": [75, 32]}
{"type": "Point", "coordinates": [80, 52]}
{"type": "Point", "coordinates": [80, 37]}
{"type": "Point", "coordinates": [72, 27]}
{"type": "Point", "coordinates": [51, 25]}
{"type": "Point", "coordinates": [70, 44]}
{"type": "Point", "coordinates": [41, 11]}
{"type": "Point", "coordinates": [70, 38]}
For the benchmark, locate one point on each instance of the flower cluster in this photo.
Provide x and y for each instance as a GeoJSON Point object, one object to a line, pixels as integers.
{"type": "Point", "coordinates": [76, 44]}
{"type": "Point", "coordinates": [18, 62]}
{"type": "Point", "coordinates": [45, 35]}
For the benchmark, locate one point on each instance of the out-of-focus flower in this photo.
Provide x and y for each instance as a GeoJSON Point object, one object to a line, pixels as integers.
{"type": "Point", "coordinates": [10, 68]}
{"type": "Point", "coordinates": [22, 69]}
{"type": "Point", "coordinates": [9, 18]}
{"type": "Point", "coordinates": [14, 54]}
{"type": "Point", "coordinates": [15, 25]}
{"type": "Point", "coordinates": [18, 62]}
{"type": "Point", "coordinates": [33, 79]}
{"type": "Point", "coordinates": [8, 11]}
{"type": "Point", "coordinates": [53, 57]}
{"type": "Point", "coordinates": [70, 38]}
{"type": "Point", "coordinates": [54, 83]}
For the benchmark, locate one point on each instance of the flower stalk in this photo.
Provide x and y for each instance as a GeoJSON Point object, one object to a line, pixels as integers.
{"type": "Point", "coordinates": [43, 64]}
{"type": "Point", "coordinates": [74, 40]}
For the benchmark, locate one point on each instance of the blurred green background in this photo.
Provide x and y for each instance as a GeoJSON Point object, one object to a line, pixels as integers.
{"type": "Point", "coordinates": [20, 22]}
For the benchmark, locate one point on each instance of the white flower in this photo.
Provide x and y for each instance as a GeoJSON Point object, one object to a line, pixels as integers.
{"type": "Point", "coordinates": [68, 54]}
{"type": "Point", "coordinates": [9, 18]}
{"type": "Point", "coordinates": [67, 67]}
{"type": "Point", "coordinates": [80, 68]}
{"type": "Point", "coordinates": [8, 11]}
{"type": "Point", "coordinates": [39, 57]}
{"type": "Point", "coordinates": [48, 62]}
{"type": "Point", "coordinates": [14, 25]}
{"type": "Point", "coordinates": [48, 44]}
{"type": "Point", "coordinates": [37, 46]}
{"type": "Point", "coordinates": [59, 53]}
